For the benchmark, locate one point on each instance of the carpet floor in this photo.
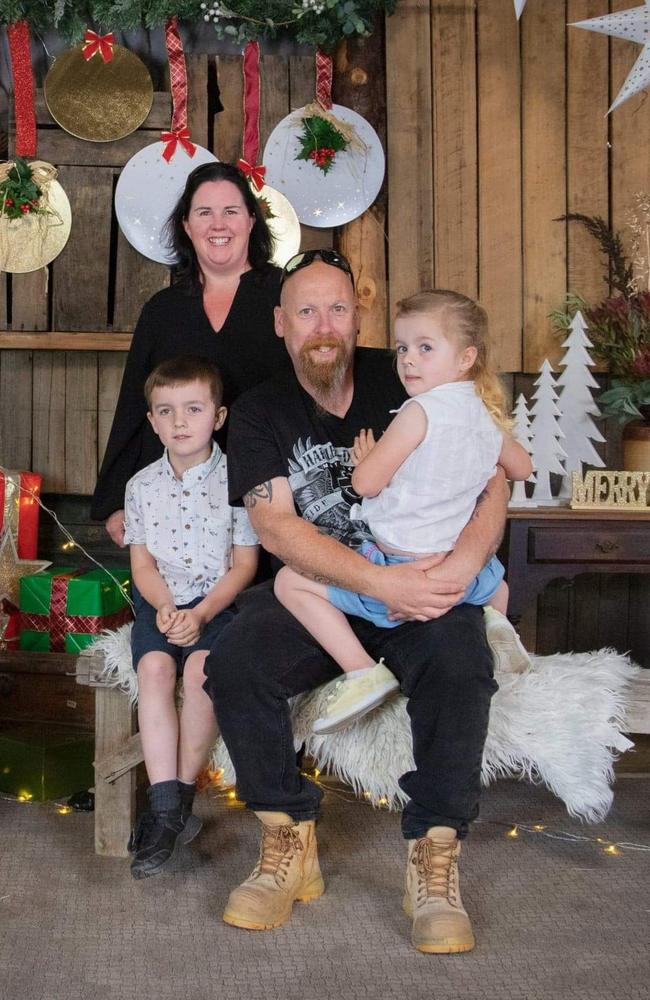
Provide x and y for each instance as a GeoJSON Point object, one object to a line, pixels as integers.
{"type": "Point", "coordinates": [555, 913]}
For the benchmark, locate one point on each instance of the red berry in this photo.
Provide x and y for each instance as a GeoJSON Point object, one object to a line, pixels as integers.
{"type": "Point", "coordinates": [9, 201]}
{"type": "Point", "coordinates": [25, 207]}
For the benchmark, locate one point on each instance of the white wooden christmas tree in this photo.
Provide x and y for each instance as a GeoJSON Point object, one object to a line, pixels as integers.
{"type": "Point", "coordinates": [578, 405]}
{"type": "Point", "coordinates": [545, 435]}
{"type": "Point", "coordinates": [521, 431]}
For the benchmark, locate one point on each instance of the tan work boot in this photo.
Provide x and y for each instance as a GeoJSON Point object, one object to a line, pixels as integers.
{"type": "Point", "coordinates": [287, 871]}
{"type": "Point", "coordinates": [432, 896]}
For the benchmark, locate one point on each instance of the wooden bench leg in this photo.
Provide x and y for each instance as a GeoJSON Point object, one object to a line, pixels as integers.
{"type": "Point", "coordinates": [114, 801]}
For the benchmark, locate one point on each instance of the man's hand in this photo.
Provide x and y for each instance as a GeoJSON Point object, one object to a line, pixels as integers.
{"type": "Point", "coordinates": [410, 592]}
{"type": "Point", "coordinates": [187, 627]}
{"type": "Point", "coordinates": [115, 527]}
{"type": "Point", "coordinates": [165, 617]}
{"type": "Point", "coordinates": [364, 442]}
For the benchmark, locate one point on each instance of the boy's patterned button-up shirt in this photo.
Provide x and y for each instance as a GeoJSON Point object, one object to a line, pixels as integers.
{"type": "Point", "coordinates": [187, 524]}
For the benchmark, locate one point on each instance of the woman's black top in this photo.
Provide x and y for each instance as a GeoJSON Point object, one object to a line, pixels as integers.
{"type": "Point", "coordinates": [173, 322]}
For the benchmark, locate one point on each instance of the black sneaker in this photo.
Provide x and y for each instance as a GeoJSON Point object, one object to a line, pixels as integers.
{"type": "Point", "coordinates": [154, 841]}
{"type": "Point", "coordinates": [191, 826]}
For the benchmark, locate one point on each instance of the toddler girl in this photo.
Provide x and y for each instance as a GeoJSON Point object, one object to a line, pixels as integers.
{"type": "Point", "coordinates": [420, 483]}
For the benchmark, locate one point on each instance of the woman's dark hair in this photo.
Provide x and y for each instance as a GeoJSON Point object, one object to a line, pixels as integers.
{"type": "Point", "coordinates": [260, 243]}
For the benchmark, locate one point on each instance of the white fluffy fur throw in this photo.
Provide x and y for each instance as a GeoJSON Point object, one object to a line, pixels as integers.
{"type": "Point", "coordinates": [559, 723]}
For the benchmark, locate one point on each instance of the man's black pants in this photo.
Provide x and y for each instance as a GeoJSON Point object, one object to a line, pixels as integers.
{"type": "Point", "coordinates": [265, 656]}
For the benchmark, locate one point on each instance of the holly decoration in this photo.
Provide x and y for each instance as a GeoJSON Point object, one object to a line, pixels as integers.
{"type": "Point", "coordinates": [267, 212]}
{"type": "Point", "coordinates": [19, 194]}
{"type": "Point", "coordinates": [320, 142]}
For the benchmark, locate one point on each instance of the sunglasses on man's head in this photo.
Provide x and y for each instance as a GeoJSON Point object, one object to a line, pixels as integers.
{"type": "Point", "coordinates": [308, 257]}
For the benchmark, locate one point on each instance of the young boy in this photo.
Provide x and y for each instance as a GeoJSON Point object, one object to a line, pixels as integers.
{"type": "Point", "coordinates": [191, 555]}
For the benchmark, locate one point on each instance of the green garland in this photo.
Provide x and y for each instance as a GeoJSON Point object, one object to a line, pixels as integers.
{"type": "Point", "coordinates": [321, 23]}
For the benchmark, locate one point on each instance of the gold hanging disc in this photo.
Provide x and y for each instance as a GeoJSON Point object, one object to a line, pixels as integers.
{"type": "Point", "coordinates": [95, 100]}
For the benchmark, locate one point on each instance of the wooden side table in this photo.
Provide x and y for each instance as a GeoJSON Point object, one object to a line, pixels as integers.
{"type": "Point", "coordinates": [550, 543]}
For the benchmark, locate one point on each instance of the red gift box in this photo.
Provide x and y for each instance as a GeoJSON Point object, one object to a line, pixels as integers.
{"type": "Point", "coordinates": [19, 509]}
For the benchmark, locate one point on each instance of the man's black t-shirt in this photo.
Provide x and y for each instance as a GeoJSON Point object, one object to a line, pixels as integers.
{"type": "Point", "coordinates": [277, 429]}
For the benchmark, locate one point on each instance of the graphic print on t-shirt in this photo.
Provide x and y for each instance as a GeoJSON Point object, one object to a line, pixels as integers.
{"type": "Point", "coordinates": [320, 479]}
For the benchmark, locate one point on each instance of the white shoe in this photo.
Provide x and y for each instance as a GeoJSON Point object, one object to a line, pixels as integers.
{"type": "Point", "coordinates": [352, 697]}
{"type": "Point", "coordinates": [507, 648]}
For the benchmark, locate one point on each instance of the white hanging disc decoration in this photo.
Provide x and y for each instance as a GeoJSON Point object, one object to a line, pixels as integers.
{"type": "Point", "coordinates": [147, 191]}
{"type": "Point", "coordinates": [349, 186]}
{"type": "Point", "coordinates": [283, 223]}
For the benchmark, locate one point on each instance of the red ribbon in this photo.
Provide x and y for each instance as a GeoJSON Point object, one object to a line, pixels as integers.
{"type": "Point", "coordinates": [323, 80]}
{"type": "Point", "coordinates": [21, 62]}
{"type": "Point", "coordinates": [178, 81]}
{"type": "Point", "coordinates": [59, 624]}
{"type": "Point", "coordinates": [172, 139]}
{"type": "Point", "coordinates": [251, 141]}
{"type": "Point", "coordinates": [94, 43]}
{"type": "Point", "coordinates": [255, 174]}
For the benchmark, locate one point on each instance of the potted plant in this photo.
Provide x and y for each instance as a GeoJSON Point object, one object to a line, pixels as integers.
{"type": "Point", "coordinates": [619, 327]}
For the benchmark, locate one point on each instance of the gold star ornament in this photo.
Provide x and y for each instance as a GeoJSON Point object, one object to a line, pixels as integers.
{"type": "Point", "coordinates": [12, 568]}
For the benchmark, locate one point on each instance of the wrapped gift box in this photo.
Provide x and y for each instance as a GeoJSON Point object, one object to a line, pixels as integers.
{"type": "Point", "coordinates": [63, 609]}
{"type": "Point", "coordinates": [19, 509]}
{"type": "Point", "coordinates": [40, 763]}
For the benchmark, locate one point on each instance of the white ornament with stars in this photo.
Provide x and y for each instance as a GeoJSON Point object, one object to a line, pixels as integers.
{"type": "Point", "coordinates": [146, 194]}
{"type": "Point", "coordinates": [345, 191]}
{"type": "Point", "coordinates": [633, 25]}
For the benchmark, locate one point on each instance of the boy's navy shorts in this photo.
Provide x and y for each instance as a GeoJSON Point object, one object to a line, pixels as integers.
{"type": "Point", "coordinates": [145, 637]}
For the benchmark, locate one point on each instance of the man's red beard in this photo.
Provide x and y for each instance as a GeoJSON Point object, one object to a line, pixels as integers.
{"type": "Point", "coordinates": [325, 376]}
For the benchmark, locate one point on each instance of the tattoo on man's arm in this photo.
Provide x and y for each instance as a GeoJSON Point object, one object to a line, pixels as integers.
{"type": "Point", "coordinates": [262, 492]}
{"type": "Point", "coordinates": [479, 500]}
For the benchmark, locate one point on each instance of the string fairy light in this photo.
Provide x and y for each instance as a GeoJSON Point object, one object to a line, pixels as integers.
{"type": "Point", "coordinates": [615, 848]}
{"type": "Point", "coordinates": [71, 542]}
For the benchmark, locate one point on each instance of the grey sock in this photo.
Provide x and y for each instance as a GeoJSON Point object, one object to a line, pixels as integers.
{"type": "Point", "coordinates": [164, 796]}
{"type": "Point", "coordinates": [186, 790]}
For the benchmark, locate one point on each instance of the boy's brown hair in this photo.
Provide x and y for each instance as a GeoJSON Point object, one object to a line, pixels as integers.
{"type": "Point", "coordinates": [184, 369]}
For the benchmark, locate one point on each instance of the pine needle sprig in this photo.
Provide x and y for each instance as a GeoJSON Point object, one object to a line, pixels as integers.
{"type": "Point", "coordinates": [621, 271]}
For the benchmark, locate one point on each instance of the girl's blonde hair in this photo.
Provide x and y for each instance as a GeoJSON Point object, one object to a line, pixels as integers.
{"type": "Point", "coordinates": [465, 323]}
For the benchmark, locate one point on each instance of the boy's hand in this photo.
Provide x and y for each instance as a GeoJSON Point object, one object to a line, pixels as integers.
{"type": "Point", "coordinates": [187, 627]}
{"type": "Point", "coordinates": [364, 442]}
{"type": "Point", "coordinates": [115, 527]}
{"type": "Point", "coordinates": [165, 617]}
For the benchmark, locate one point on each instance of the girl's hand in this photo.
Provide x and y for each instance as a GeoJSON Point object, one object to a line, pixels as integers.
{"type": "Point", "coordinates": [364, 442]}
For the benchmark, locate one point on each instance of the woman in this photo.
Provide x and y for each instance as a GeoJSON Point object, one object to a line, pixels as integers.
{"type": "Point", "coordinates": [219, 307]}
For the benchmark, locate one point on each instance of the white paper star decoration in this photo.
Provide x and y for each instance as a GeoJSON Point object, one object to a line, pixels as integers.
{"type": "Point", "coordinates": [519, 6]}
{"type": "Point", "coordinates": [634, 26]}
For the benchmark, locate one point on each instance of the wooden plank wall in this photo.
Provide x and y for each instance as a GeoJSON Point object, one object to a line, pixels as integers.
{"type": "Point", "coordinates": [495, 129]}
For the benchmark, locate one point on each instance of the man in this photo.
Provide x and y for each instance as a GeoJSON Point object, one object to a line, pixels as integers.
{"type": "Point", "coordinates": [289, 463]}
